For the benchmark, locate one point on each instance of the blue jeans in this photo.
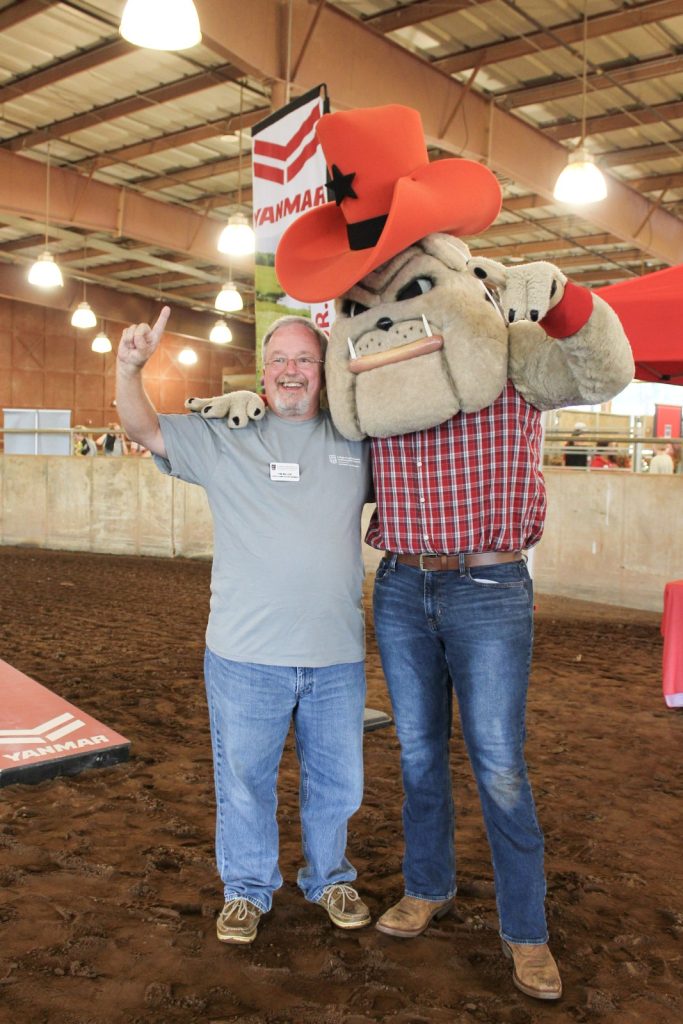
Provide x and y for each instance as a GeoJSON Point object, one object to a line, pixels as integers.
{"type": "Point", "coordinates": [250, 710]}
{"type": "Point", "coordinates": [471, 633]}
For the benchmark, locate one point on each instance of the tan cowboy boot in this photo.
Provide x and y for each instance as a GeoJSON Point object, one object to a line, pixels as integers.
{"type": "Point", "coordinates": [535, 971]}
{"type": "Point", "coordinates": [410, 917]}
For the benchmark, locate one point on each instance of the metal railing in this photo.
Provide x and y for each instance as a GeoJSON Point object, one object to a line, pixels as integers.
{"type": "Point", "coordinates": [637, 449]}
{"type": "Point", "coordinates": [71, 432]}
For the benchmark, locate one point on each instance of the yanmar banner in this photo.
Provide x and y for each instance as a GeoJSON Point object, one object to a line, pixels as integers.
{"type": "Point", "coordinates": [289, 176]}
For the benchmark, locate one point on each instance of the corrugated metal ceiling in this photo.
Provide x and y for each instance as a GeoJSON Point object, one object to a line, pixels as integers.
{"type": "Point", "coordinates": [166, 125]}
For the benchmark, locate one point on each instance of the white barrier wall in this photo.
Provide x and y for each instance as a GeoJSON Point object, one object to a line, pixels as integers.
{"type": "Point", "coordinates": [122, 506]}
{"type": "Point", "coordinates": [610, 536]}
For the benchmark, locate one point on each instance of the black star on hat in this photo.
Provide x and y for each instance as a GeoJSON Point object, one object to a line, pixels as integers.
{"type": "Point", "coordinates": [339, 186]}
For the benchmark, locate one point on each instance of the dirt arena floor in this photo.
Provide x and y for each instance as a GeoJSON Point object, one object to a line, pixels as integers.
{"type": "Point", "coordinates": [108, 892]}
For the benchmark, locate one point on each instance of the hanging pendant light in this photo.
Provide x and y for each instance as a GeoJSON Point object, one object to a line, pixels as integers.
{"type": "Point", "coordinates": [161, 24]}
{"type": "Point", "coordinates": [220, 333]}
{"type": "Point", "coordinates": [101, 343]}
{"type": "Point", "coordinates": [188, 357]}
{"type": "Point", "coordinates": [581, 182]}
{"type": "Point", "coordinates": [45, 273]}
{"type": "Point", "coordinates": [229, 299]}
{"type": "Point", "coordinates": [83, 316]}
{"type": "Point", "coordinates": [238, 238]}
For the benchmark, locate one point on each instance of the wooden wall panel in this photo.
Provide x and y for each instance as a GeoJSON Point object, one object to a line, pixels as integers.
{"type": "Point", "coordinates": [46, 363]}
{"type": "Point", "coordinates": [28, 351]}
{"type": "Point", "coordinates": [152, 387]}
{"type": "Point", "coordinates": [5, 348]}
{"type": "Point", "coordinates": [89, 391]}
{"type": "Point", "coordinates": [172, 394]}
{"type": "Point", "coordinates": [27, 389]}
{"type": "Point", "coordinates": [59, 390]}
{"type": "Point", "coordinates": [60, 353]}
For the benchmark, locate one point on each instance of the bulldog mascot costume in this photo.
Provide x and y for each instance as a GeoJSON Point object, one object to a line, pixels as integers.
{"type": "Point", "coordinates": [446, 362]}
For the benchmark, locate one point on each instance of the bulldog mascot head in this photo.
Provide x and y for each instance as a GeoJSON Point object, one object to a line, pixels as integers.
{"type": "Point", "coordinates": [423, 330]}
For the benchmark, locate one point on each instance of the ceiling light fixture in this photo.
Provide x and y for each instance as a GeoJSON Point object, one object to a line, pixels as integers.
{"type": "Point", "coordinates": [45, 273]}
{"type": "Point", "coordinates": [83, 316]}
{"type": "Point", "coordinates": [581, 182]}
{"type": "Point", "coordinates": [229, 299]}
{"type": "Point", "coordinates": [188, 357]}
{"type": "Point", "coordinates": [161, 24]}
{"type": "Point", "coordinates": [101, 343]}
{"type": "Point", "coordinates": [220, 333]}
{"type": "Point", "coordinates": [237, 238]}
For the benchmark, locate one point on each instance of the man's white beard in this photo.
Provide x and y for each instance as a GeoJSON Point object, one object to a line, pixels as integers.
{"type": "Point", "coordinates": [299, 406]}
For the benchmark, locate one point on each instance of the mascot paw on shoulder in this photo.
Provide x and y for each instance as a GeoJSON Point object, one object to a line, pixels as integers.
{"type": "Point", "coordinates": [238, 407]}
{"type": "Point", "coordinates": [425, 330]}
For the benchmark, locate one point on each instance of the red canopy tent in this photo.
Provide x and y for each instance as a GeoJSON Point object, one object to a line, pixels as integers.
{"type": "Point", "coordinates": [651, 311]}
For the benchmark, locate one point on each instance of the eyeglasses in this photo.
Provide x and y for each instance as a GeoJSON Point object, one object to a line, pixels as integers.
{"type": "Point", "coordinates": [301, 362]}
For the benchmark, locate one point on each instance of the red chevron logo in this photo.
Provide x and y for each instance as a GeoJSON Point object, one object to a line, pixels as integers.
{"type": "Point", "coordinates": [281, 153]}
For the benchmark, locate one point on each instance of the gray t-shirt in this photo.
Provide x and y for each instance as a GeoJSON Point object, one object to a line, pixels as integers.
{"type": "Point", "coordinates": [286, 583]}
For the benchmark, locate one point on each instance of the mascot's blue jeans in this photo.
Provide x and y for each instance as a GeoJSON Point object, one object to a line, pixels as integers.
{"type": "Point", "coordinates": [472, 633]}
{"type": "Point", "coordinates": [250, 710]}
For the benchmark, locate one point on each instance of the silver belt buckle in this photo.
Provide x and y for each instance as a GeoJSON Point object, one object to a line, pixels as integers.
{"type": "Point", "coordinates": [426, 554]}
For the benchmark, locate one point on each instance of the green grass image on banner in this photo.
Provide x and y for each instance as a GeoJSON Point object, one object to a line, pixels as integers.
{"type": "Point", "coordinates": [268, 291]}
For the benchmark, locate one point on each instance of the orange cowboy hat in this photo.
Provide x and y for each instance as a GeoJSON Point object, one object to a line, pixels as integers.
{"type": "Point", "coordinates": [387, 195]}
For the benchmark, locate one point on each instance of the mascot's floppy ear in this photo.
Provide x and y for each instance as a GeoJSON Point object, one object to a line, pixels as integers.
{"type": "Point", "coordinates": [387, 196]}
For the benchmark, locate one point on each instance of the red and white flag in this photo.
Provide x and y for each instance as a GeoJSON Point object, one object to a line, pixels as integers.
{"type": "Point", "coordinates": [289, 174]}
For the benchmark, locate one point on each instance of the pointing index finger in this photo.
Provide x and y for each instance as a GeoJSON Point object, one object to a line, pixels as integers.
{"type": "Point", "coordinates": [160, 325]}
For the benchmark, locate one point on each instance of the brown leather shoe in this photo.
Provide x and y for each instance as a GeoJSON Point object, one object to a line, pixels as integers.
{"type": "Point", "coordinates": [410, 917]}
{"type": "Point", "coordinates": [238, 921]}
{"type": "Point", "coordinates": [535, 971]}
{"type": "Point", "coordinates": [344, 906]}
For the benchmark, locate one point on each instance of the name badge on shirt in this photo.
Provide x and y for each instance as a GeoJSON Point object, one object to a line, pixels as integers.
{"type": "Point", "coordinates": [284, 471]}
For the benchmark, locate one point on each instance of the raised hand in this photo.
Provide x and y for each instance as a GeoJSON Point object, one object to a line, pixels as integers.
{"type": "Point", "coordinates": [525, 292]}
{"type": "Point", "coordinates": [139, 341]}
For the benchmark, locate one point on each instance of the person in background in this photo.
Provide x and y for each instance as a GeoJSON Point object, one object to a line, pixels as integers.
{"type": "Point", "coordinates": [285, 639]}
{"type": "Point", "coordinates": [575, 454]}
{"type": "Point", "coordinates": [83, 442]}
{"type": "Point", "coordinates": [138, 449]}
{"type": "Point", "coordinates": [113, 442]}
{"type": "Point", "coordinates": [601, 459]}
{"type": "Point", "coordinates": [661, 462]}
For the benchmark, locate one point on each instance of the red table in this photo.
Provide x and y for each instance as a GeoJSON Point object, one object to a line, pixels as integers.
{"type": "Point", "coordinates": [672, 631]}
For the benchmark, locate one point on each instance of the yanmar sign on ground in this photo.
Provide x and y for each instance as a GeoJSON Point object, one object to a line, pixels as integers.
{"type": "Point", "coordinates": [42, 735]}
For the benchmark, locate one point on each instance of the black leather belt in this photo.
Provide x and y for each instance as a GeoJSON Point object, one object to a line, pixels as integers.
{"type": "Point", "coordinates": [440, 563]}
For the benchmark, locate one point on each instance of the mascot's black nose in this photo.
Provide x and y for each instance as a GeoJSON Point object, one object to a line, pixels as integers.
{"type": "Point", "coordinates": [385, 323]}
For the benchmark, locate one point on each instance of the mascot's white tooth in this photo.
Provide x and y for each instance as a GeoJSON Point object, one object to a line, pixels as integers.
{"type": "Point", "coordinates": [494, 300]}
{"type": "Point", "coordinates": [428, 330]}
{"type": "Point", "coordinates": [352, 350]}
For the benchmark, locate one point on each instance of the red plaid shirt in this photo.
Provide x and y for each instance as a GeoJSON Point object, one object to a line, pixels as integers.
{"type": "Point", "coordinates": [471, 484]}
